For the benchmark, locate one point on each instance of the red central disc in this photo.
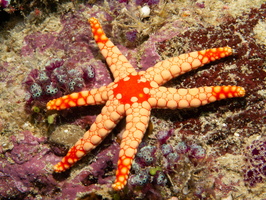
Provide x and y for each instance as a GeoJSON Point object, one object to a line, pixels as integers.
{"type": "Point", "coordinates": [132, 88]}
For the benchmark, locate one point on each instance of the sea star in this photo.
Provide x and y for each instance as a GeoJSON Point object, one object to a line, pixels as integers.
{"type": "Point", "coordinates": [133, 94]}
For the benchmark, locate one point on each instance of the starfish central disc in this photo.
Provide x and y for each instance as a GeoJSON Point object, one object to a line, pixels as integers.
{"type": "Point", "coordinates": [131, 89]}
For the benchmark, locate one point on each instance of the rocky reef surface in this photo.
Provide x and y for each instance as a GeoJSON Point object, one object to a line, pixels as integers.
{"type": "Point", "coordinates": [216, 151]}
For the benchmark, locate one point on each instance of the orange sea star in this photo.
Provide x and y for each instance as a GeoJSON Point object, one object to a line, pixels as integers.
{"type": "Point", "coordinates": [133, 94]}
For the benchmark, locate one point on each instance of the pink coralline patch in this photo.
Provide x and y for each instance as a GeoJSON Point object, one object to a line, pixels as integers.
{"type": "Point", "coordinates": [255, 168]}
{"type": "Point", "coordinates": [151, 54]}
{"type": "Point", "coordinates": [104, 162]}
{"type": "Point", "coordinates": [3, 72]}
{"type": "Point", "coordinates": [200, 4]}
{"type": "Point", "coordinates": [23, 167]}
{"type": "Point", "coordinates": [24, 173]}
{"type": "Point", "coordinates": [4, 3]}
{"type": "Point", "coordinates": [37, 41]}
{"type": "Point", "coordinates": [73, 39]}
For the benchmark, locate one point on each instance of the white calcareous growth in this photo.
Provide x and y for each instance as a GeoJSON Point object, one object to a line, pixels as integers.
{"type": "Point", "coordinates": [144, 11]}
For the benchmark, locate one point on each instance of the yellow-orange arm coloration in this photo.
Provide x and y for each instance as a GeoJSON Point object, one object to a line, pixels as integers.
{"type": "Point", "coordinates": [118, 63]}
{"type": "Point", "coordinates": [186, 98]}
{"type": "Point", "coordinates": [83, 98]}
{"type": "Point", "coordinates": [133, 94]}
{"type": "Point", "coordinates": [165, 70]}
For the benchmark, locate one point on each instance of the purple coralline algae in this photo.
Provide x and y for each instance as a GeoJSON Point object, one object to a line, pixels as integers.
{"type": "Point", "coordinates": [131, 36]}
{"type": "Point", "coordinates": [24, 167]}
{"type": "Point", "coordinates": [38, 41]}
{"type": "Point", "coordinates": [141, 2]}
{"type": "Point", "coordinates": [255, 168]}
{"type": "Point", "coordinates": [164, 136]}
{"type": "Point", "coordinates": [24, 171]}
{"type": "Point", "coordinates": [182, 160]}
{"type": "Point", "coordinates": [4, 3]}
{"type": "Point", "coordinates": [149, 2]}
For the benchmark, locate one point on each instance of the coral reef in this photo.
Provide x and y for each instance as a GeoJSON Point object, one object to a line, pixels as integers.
{"type": "Point", "coordinates": [201, 155]}
{"type": "Point", "coordinates": [18, 173]}
{"type": "Point", "coordinates": [25, 171]}
{"type": "Point", "coordinates": [155, 165]}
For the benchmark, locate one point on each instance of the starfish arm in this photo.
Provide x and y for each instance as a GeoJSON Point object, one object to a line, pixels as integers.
{"type": "Point", "coordinates": [163, 97]}
{"type": "Point", "coordinates": [118, 63]}
{"type": "Point", "coordinates": [83, 98]}
{"type": "Point", "coordinates": [137, 121]}
{"type": "Point", "coordinates": [165, 70]}
{"type": "Point", "coordinates": [104, 123]}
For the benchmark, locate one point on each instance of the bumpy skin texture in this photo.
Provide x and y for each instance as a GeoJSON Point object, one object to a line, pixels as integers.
{"type": "Point", "coordinates": [133, 94]}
